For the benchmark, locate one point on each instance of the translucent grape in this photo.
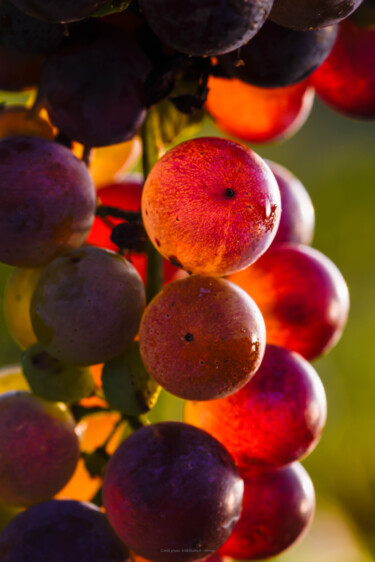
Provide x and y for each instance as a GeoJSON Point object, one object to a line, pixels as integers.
{"type": "Point", "coordinates": [87, 306]}
{"type": "Point", "coordinates": [274, 419]}
{"type": "Point", "coordinates": [182, 478]}
{"type": "Point", "coordinates": [202, 338]}
{"type": "Point", "coordinates": [259, 114]}
{"type": "Point", "coordinates": [277, 510]}
{"type": "Point", "coordinates": [211, 206]}
{"type": "Point", "coordinates": [302, 295]}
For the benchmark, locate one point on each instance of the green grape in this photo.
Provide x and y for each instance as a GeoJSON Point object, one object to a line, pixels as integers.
{"type": "Point", "coordinates": [52, 380]}
{"type": "Point", "coordinates": [127, 385]}
{"type": "Point", "coordinates": [17, 299]}
{"type": "Point", "coordinates": [87, 306]}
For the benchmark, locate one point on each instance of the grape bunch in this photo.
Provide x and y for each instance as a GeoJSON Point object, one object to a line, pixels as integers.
{"type": "Point", "coordinates": [197, 277]}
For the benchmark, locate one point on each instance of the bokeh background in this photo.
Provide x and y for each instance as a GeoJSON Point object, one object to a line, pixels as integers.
{"type": "Point", "coordinates": [335, 159]}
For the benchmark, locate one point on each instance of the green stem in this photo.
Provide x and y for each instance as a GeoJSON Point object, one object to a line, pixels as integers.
{"type": "Point", "coordinates": [152, 150]}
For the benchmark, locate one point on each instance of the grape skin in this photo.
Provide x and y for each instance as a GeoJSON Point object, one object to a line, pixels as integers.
{"type": "Point", "coordinates": [87, 306]}
{"type": "Point", "coordinates": [311, 14]}
{"type": "Point", "coordinates": [182, 478]}
{"type": "Point", "coordinates": [201, 338]}
{"type": "Point", "coordinates": [29, 473]}
{"type": "Point", "coordinates": [51, 204]}
{"type": "Point", "coordinates": [199, 28]}
{"type": "Point", "coordinates": [278, 56]}
{"type": "Point", "coordinates": [61, 531]}
{"type": "Point", "coordinates": [110, 68]}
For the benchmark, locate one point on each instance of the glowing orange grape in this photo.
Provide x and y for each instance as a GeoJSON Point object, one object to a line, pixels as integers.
{"type": "Point", "coordinates": [211, 206]}
{"type": "Point", "coordinates": [259, 115]}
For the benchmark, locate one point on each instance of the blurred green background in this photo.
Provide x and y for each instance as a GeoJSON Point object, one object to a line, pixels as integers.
{"type": "Point", "coordinates": [335, 159]}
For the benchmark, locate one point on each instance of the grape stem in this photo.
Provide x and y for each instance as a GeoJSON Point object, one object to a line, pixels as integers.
{"type": "Point", "coordinates": [152, 150]}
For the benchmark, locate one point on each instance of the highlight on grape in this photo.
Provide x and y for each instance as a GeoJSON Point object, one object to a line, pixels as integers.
{"type": "Point", "coordinates": [196, 276]}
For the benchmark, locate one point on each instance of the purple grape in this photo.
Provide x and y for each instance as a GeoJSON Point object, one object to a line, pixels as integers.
{"type": "Point", "coordinates": [59, 10]}
{"type": "Point", "coordinates": [311, 14]}
{"type": "Point", "coordinates": [94, 86]}
{"type": "Point", "coordinates": [47, 201]}
{"type": "Point", "coordinates": [20, 32]}
{"type": "Point", "coordinates": [172, 487]}
{"type": "Point", "coordinates": [39, 449]}
{"type": "Point", "coordinates": [297, 216]}
{"type": "Point", "coordinates": [87, 306]}
{"type": "Point", "coordinates": [61, 531]}
{"type": "Point", "coordinates": [278, 56]}
{"type": "Point", "coordinates": [201, 27]}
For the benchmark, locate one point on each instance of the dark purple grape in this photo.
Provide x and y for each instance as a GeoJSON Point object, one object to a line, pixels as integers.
{"type": "Point", "coordinates": [172, 492]}
{"type": "Point", "coordinates": [201, 27]}
{"type": "Point", "coordinates": [278, 507]}
{"type": "Point", "coordinates": [19, 70]}
{"type": "Point", "coordinates": [39, 449]}
{"type": "Point", "coordinates": [278, 56]}
{"type": "Point", "coordinates": [87, 306]}
{"type": "Point", "coordinates": [311, 14]}
{"type": "Point", "coordinates": [297, 217]}
{"type": "Point", "coordinates": [20, 32]}
{"type": "Point", "coordinates": [59, 10]}
{"type": "Point", "coordinates": [47, 201]}
{"type": "Point", "coordinates": [94, 87]}
{"type": "Point", "coordinates": [61, 531]}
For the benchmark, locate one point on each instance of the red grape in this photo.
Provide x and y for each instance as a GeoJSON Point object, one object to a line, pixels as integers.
{"type": "Point", "coordinates": [259, 114]}
{"type": "Point", "coordinates": [202, 338]}
{"type": "Point", "coordinates": [297, 217]}
{"type": "Point", "coordinates": [302, 296]}
{"type": "Point", "coordinates": [278, 507]}
{"type": "Point", "coordinates": [275, 419]}
{"type": "Point", "coordinates": [211, 205]}
{"type": "Point", "coordinates": [346, 80]}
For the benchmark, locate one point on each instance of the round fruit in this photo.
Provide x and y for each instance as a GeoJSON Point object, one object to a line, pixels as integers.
{"type": "Point", "coordinates": [211, 205]}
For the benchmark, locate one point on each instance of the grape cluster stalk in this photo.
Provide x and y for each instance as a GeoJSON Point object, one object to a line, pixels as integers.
{"type": "Point", "coordinates": [197, 277]}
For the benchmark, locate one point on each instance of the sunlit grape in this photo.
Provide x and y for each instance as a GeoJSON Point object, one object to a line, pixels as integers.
{"type": "Point", "coordinates": [278, 507]}
{"type": "Point", "coordinates": [211, 206]}
{"type": "Point", "coordinates": [256, 114]}
{"type": "Point", "coordinates": [275, 419]}
{"type": "Point", "coordinates": [202, 338]}
{"type": "Point", "coordinates": [302, 295]}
